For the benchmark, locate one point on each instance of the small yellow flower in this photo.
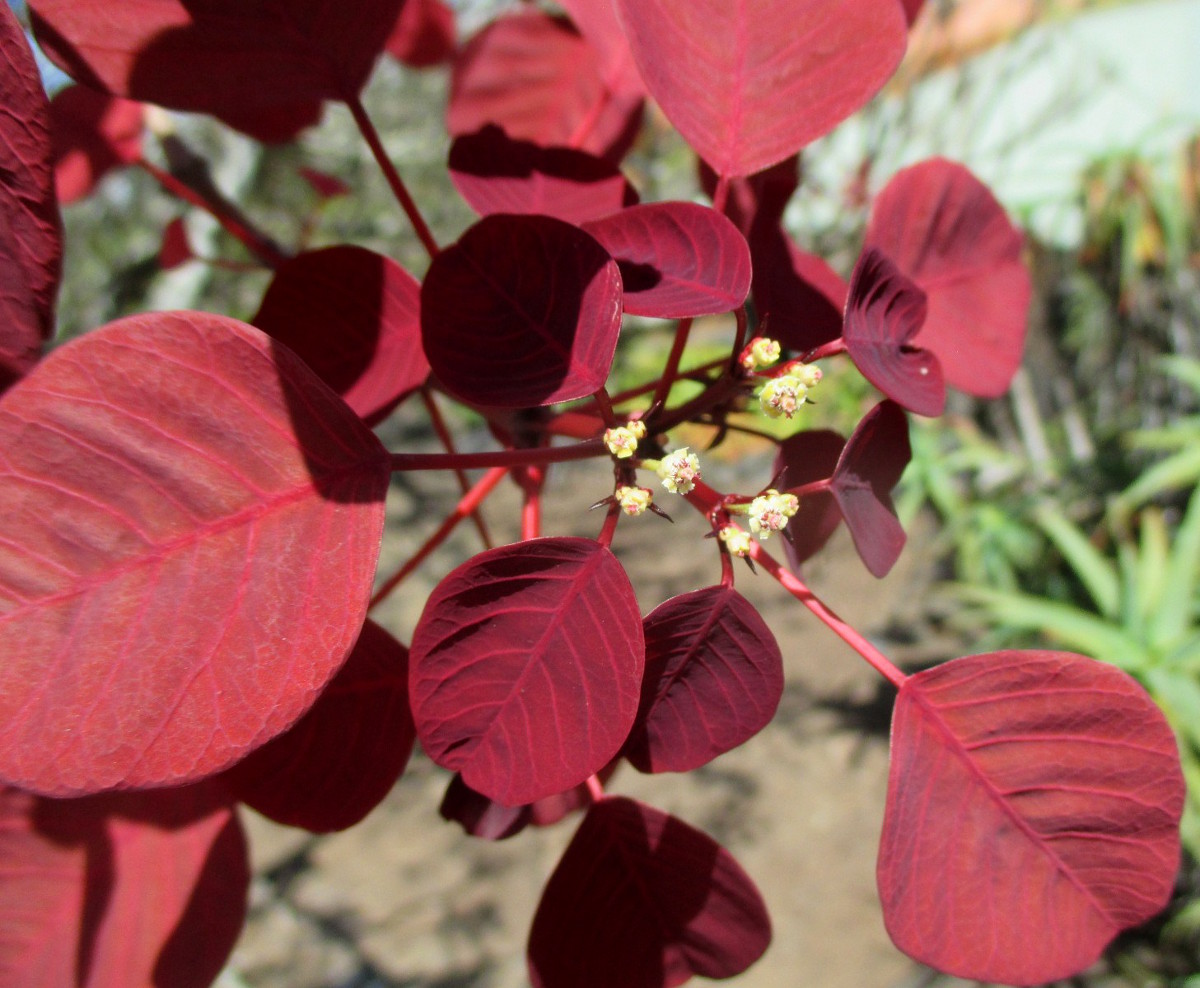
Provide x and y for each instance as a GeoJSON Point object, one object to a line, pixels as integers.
{"type": "Point", "coordinates": [634, 500]}
{"type": "Point", "coordinates": [781, 396]}
{"type": "Point", "coordinates": [770, 512]}
{"type": "Point", "coordinates": [679, 471]}
{"type": "Point", "coordinates": [736, 540]}
{"type": "Point", "coordinates": [622, 441]}
{"type": "Point", "coordinates": [761, 352]}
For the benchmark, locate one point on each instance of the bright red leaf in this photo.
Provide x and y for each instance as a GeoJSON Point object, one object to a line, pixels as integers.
{"type": "Point", "coordinates": [642, 900]}
{"type": "Point", "coordinates": [944, 229]}
{"type": "Point", "coordinates": [598, 23]}
{"type": "Point", "coordinates": [342, 757]}
{"type": "Point", "coordinates": [175, 249]}
{"type": "Point", "coordinates": [93, 133]}
{"type": "Point", "coordinates": [868, 469]}
{"type": "Point", "coordinates": [354, 317]}
{"type": "Point", "coordinates": [884, 312]}
{"type": "Point", "coordinates": [133, 889]}
{"type": "Point", "coordinates": [749, 82]}
{"type": "Point", "coordinates": [677, 259]}
{"type": "Point", "coordinates": [526, 666]}
{"type": "Point", "coordinates": [192, 526]}
{"type": "Point", "coordinates": [522, 311]}
{"type": "Point", "coordinates": [30, 232]}
{"type": "Point", "coordinates": [714, 678]}
{"type": "Point", "coordinates": [496, 174]}
{"type": "Point", "coordinates": [424, 34]}
{"type": "Point", "coordinates": [261, 66]}
{"type": "Point", "coordinates": [1033, 812]}
{"type": "Point", "coordinates": [324, 185]}
{"type": "Point", "coordinates": [805, 458]}
{"type": "Point", "coordinates": [535, 77]}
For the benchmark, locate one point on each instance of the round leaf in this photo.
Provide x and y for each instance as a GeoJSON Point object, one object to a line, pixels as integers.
{"type": "Point", "coordinates": [522, 311]}
{"type": "Point", "coordinates": [1033, 812]}
{"type": "Point", "coordinates": [424, 34]}
{"type": "Point", "coordinates": [804, 458]}
{"type": "Point", "coordinates": [193, 522]}
{"type": "Point", "coordinates": [714, 678]}
{"type": "Point", "coordinates": [526, 666]}
{"type": "Point", "coordinates": [93, 134]}
{"type": "Point", "coordinates": [731, 75]}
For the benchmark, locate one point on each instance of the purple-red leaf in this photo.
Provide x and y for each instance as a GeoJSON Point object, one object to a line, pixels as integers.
{"type": "Point", "coordinates": [912, 8]}
{"type": "Point", "coordinates": [598, 23]}
{"type": "Point", "coordinates": [30, 231]}
{"type": "Point", "coordinates": [354, 317]}
{"type": "Point", "coordinates": [884, 312]}
{"type": "Point", "coordinates": [862, 482]}
{"type": "Point", "coordinates": [342, 757]}
{"type": "Point", "coordinates": [192, 526]}
{"type": "Point", "coordinates": [749, 82]}
{"type": "Point", "coordinates": [496, 174]}
{"type": "Point", "coordinates": [944, 229]}
{"type": "Point", "coordinates": [176, 249]}
{"type": "Point", "coordinates": [677, 259]}
{"type": "Point", "coordinates": [93, 133]}
{"type": "Point", "coordinates": [522, 311]}
{"type": "Point", "coordinates": [1033, 812]}
{"type": "Point", "coordinates": [479, 816]}
{"type": "Point", "coordinates": [262, 67]}
{"type": "Point", "coordinates": [535, 77]}
{"type": "Point", "coordinates": [424, 34]}
{"type": "Point", "coordinates": [799, 294]}
{"type": "Point", "coordinates": [642, 900]}
{"type": "Point", "coordinates": [714, 678]}
{"type": "Point", "coordinates": [805, 458]}
{"type": "Point", "coordinates": [324, 185]}
{"type": "Point", "coordinates": [133, 889]}
{"type": "Point", "coordinates": [526, 667]}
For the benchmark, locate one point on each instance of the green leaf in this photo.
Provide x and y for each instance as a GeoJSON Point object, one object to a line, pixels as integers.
{"type": "Point", "coordinates": [1095, 571]}
{"type": "Point", "coordinates": [1180, 470]}
{"type": "Point", "coordinates": [1183, 568]}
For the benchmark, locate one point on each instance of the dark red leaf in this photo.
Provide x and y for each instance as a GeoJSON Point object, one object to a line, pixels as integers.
{"type": "Point", "coordinates": [424, 34]}
{"type": "Point", "coordinates": [192, 526]}
{"type": "Point", "coordinates": [677, 259]}
{"type": "Point", "coordinates": [798, 293]}
{"type": "Point", "coordinates": [479, 816]}
{"type": "Point", "coordinates": [642, 900]}
{"type": "Point", "coordinates": [944, 229]}
{"type": "Point", "coordinates": [262, 67]}
{"type": "Point", "coordinates": [498, 175]}
{"type": "Point", "coordinates": [526, 666]}
{"type": "Point", "coordinates": [755, 201]}
{"type": "Point", "coordinates": [175, 248]}
{"type": "Point", "coordinates": [535, 77]}
{"type": "Point", "coordinates": [325, 186]}
{"type": "Point", "coordinates": [714, 678]}
{"type": "Point", "coordinates": [133, 889]}
{"type": "Point", "coordinates": [867, 470]}
{"type": "Point", "coordinates": [30, 231]}
{"type": "Point", "coordinates": [93, 133]}
{"type": "Point", "coordinates": [342, 757]}
{"type": "Point", "coordinates": [1033, 812]}
{"type": "Point", "coordinates": [912, 8]}
{"type": "Point", "coordinates": [884, 312]}
{"type": "Point", "coordinates": [731, 74]}
{"type": "Point", "coordinates": [354, 317]}
{"type": "Point", "coordinates": [805, 458]}
{"type": "Point", "coordinates": [522, 311]}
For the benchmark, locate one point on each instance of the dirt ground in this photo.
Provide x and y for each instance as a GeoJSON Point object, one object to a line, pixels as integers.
{"type": "Point", "coordinates": [405, 899]}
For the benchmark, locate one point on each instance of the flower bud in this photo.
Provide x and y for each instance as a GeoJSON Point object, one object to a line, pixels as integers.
{"type": "Point", "coordinates": [759, 353]}
{"type": "Point", "coordinates": [736, 540]}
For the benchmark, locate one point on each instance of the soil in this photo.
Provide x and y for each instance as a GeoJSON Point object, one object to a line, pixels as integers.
{"type": "Point", "coordinates": [405, 899]}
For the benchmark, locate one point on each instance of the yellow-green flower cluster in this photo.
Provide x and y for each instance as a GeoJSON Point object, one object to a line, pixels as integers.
{"type": "Point", "coordinates": [783, 395]}
{"type": "Point", "coordinates": [760, 352]}
{"type": "Point", "coordinates": [769, 512]}
{"type": "Point", "coordinates": [737, 540]}
{"type": "Point", "coordinates": [634, 500]}
{"type": "Point", "coordinates": [679, 471]}
{"type": "Point", "coordinates": [622, 440]}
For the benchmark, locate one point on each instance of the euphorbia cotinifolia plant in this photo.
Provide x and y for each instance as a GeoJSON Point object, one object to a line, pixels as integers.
{"type": "Point", "coordinates": [193, 506]}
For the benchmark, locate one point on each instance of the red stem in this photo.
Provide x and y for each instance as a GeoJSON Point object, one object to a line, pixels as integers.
{"type": "Point", "coordinates": [595, 788]}
{"type": "Point", "coordinates": [498, 458]}
{"type": "Point", "coordinates": [606, 407]}
{"type": "Point", "coordinates": [466, 505]}
{"type": "Point", "coordinates": [670, 372]}
{"type": "Point", "coordinates": [610, 525]}
{"type": "Point", "coordinates": [371, 135]}
{"type": "Point", "coordinates": [531, 508]}
{"type": "Point", "coordinates": [447, 441]}
{"type": "Point", "coordinates": [721, 194]}
{"type": "Point", "coordinates": [255, 242]}
{"type": "Point", "coordinates": [830, 349]}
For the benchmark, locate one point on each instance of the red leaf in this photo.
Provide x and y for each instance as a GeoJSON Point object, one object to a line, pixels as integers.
{"type": "Point", "coordinates": [93, 134]}
{"type": "Point", "coordinates": [799, 294]}
{"type": "Point", "coordinates": [262, 67]}
{"type": "Point", "coordinates": [479, 816]}
{"type": "Point", "coordinates": [598, 23]}
{"type": "Point", "coordinates": [522, 311]}
{"type": "Point", "coordinates": [535, 77]}
{"type": "Point", "coordinates": [884, 311]}
{"type": "Point", "coordinates": [325, 186]}
{"type": "Point", "coordinates": [755, 201]}
{"type": "Point", "coordinates": [498, 175]}
{"type": "Point", "coordinates": [867, 470]}
{"type": "Point", "coordinates": [526, 665]}
{"type": "Point", "coordinates": [136, 889]}
{"type": "Point", "coordinates": [354, 317]}
{"type": "Point", "coordinates": [714, 678]}
{"type": "Point", "coordinates": [175, 249]}
{"type": "Point", "coordinates": [730, 74]}
{"type": "Point", "coordinates": [804, 458]}
{"type": "Point", "coordinates": [424, 34]}
{"type": "Point", "coordinates": [1033, 812]}
{"type": "Point", "coordinates": [677, 259]}
{"type": "Point", "coordinates": [912, 8]}
{"type": "Point", "coordinates": [30, 231]}
{"type": "Point", "coordinates": [193, 522]}
{"type": "Point", "coordinates": [944, 229]}
{"type": "Point", "coordinates": [642, 900]}
{"type": "Point", "coordinates": [342, 757]}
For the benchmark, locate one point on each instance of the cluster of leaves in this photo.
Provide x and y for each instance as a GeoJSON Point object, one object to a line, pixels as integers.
{"type": "Point", "coordinates": [194, 506]}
